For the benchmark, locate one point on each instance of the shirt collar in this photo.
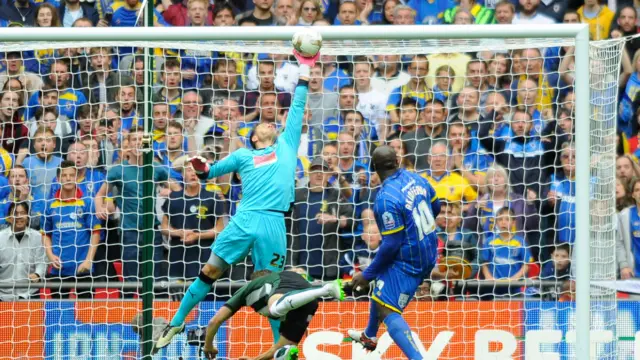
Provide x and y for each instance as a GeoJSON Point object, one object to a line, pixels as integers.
{"type": "Point", "coordinates": [78, 195]}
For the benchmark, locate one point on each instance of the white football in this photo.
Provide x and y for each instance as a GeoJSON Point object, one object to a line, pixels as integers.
{"type": "Point", "coordinates": [307, 42]}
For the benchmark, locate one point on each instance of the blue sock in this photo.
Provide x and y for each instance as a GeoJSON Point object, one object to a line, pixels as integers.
{"type": "Point", "coordinates": [195, 293]}
{"type": "Point", "coordinates": [275, 329]}
{"type": "Point", "coordinates": [372, 326]}
{"type": "Point", "coordinates": [401, 335]}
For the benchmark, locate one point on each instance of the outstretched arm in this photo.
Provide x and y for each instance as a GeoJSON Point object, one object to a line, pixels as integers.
{"type": "Point", "coordinates": [293, 127]}
{"type": "Point", "coordinates": [224, 314]}
{"type": "Point", "coordinates": [224, 166]}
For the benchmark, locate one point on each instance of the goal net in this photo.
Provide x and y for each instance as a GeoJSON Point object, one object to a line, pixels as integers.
{"type": "Point", "coordinates": [489, 123]}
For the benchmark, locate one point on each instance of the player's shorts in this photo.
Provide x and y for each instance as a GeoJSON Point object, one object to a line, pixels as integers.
{"type": "Point", "coordinates": [291, 281]}
{"type": "Point", "coordinates": [395, 289]}
{"type": "Point", "coordinates": [262, 232]}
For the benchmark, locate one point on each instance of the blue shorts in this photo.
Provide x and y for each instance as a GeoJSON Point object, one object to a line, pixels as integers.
{"type": "Point", "coordinates": [395, 289]}
{"type": "Point", "coordinates": [261, 232]}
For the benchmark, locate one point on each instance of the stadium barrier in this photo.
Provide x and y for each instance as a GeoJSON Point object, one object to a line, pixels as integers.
{"type": "Point", "coordinates": [456, 330]}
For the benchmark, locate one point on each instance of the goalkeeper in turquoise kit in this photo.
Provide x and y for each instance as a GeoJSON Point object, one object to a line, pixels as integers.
{"type": "Point", "coordinates": [268, 184]}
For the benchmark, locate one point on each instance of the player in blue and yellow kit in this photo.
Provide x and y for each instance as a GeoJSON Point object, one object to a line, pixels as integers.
{"type": "Point", "coordinates": [268, 184]}
{"type": "Point", "coordinates": [405, 210]}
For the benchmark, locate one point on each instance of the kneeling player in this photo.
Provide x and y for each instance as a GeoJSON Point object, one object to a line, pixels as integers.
{"type": "Point", "coordinates": [285, 296]}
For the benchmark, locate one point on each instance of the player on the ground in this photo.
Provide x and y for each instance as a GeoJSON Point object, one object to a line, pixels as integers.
{"type": "Point", "coordinates": [268, 184]}
{"type": "Point", "coordinates": [286, 296]}
{"type": "Point", "coordinates": [405, 210]}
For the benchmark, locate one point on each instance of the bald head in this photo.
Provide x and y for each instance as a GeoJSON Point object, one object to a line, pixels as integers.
{"type": "Point", "coordinates": [384, 160]}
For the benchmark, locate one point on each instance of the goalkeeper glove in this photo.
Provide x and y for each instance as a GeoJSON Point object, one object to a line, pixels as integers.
{"type": "Point", "coordinates": [201, 167]}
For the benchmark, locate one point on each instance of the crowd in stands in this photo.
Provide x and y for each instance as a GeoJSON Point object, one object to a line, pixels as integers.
{"type": "Point", "coordinates": [493, 132]}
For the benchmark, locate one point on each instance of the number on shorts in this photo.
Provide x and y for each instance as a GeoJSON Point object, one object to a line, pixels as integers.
{"type": "Point", "coordinates": [277, 261]}
{"type": "Point", "coordinates": [423, 219]}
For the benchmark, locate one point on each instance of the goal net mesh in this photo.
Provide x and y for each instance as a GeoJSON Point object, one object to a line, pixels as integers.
{"type": "Point", "coordinates": [489, 123]}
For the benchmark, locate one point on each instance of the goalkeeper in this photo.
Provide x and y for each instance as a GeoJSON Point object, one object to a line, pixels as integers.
{"type": "Point", "coordinates": [268, 183]}
{"type": "Point", "coordinates": [287, 296]}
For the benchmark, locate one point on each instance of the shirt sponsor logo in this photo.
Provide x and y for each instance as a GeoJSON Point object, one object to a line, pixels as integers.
{"type": "Point", "coordinates": [388, 221]}
{"type": "Point", "coordinates": [264, 160]}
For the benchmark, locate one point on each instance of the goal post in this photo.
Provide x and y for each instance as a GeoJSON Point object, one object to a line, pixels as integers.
{"type": "Point", "coordinates": [594, 133]}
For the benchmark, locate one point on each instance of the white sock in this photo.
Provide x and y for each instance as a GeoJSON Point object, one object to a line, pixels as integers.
{"type": "Point", "coordinates": [292, 301]}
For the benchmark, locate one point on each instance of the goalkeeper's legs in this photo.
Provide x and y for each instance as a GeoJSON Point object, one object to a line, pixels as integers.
{"type": "Point", "coordinates": [231, 246]}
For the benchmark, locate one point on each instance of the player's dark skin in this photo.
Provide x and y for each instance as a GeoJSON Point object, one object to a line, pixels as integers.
{"type": "Point", "coordinates": [385, 163]}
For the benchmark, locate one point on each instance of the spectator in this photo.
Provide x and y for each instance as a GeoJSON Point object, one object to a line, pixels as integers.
{"type": "Point", "coordinates": [69, 99]}
{"type": "Point", "coordinates": [481, 14]}
{"type": "Point", "coordinates": [415, 88]}
{"type": "Point", "coordinates": [223, 15]}
{"type": "Point", "coordinates": [529, 14]}
{"type": "Point", "coordinates": [19, 191]}
{"type": "Point", "coordinates": [285, 12]}
{"type": "Point", "coordinates": [627, 168]}
{"type": "Point", "coordinates": [559, 267]}
{"type": "Point", "coordinates": [225, 83]}
{"type": "Point", "coordinates": [468, 102]}
{"type": "Point", "coordinates": [428, 13]}
{"type": "Point", "coordinates": [561, 198]}
{"type": "Point", "coordinates": [261, 14]}
{"type": "Point", "coordinates": [599, 17]}
{"type": "Point", "coordinates": [497, 194]}
{"type": "Point", "coordinates": [355, 125]}
{"type": "Point", "coordinates": [192, 219]}
{"type": "Point", "coordinates": [347, 101]}
{"type": "Point", "coordinates": [321, 102]}
{"type": "Point", "coordinates": [477, 78]}
{"type": "Point", "coordinates": [433, 126]}
{"type": "Point", "coordinates": [347, 14]}
{"type": "Point", "coordinates": [286, 73]}
{"type": "Point", "coordinates": [108, 134]}
{"type": "Point", "coordinates": [353, 171]}
{"type": "Point", "coordinates": [71, 232]}
{"type": "Point", "coordinates": [19, 11]}
{"type": "Point", "coordinates": [521, 153]}
{"type": "Point", "coordinates": [177, 14]}
{"type": "Point", "coordinates": [126, 99]}
{"type": "Point", "coordinates": [455, 61]}
{"type": "Point", "coordinates": [462, 17]}
{"type": "Point", "coordinates": [170, 92]}
{"type": "Point", "coordinates": [161, 116]}
{"type": "Point", "coordinates": [72, 10]}
{"type": "Point", "coordinates": [404, 15]}
{"type": "Point", "coordinates": [623, 195]}
{"type": "Point", "coordinates": [43, 164]}
{"type": "Point", "coordinates": [499, 77]}
{"type": "Point", "coordinates": [504, 256]}
{"type": "Point", "coordinates": [400, 148]}
{"type": "Point", "coordinates": [372, 101]}
{"type": "Point", "coordinates": [197, 126]}
{"type": "Point", "coordinates": [47, 16]}
{"type": "Point", "coordinates": [389, 74]}
{"type": "Point", "coordinates": [505, 12]}
{"type": "Point", "coordinates": [449, 186]}
{"type": "Point", "coordinates": [266, 75]}
{"type": "Point", "coordinates": [627, 235]}
{"type": "Point", "coordinates": [317, 217]}
{"type": "Point", "coordinates": [386, 18]}
{"type": "Point", "coordinates": [48, 116]}
{"type": "Point", "coordinates": [335, 78]}
{"type": "Point", "coordinates": [125, 178]}
{"type": "Point", "coordinates": [468, 158]}
{"type": "Point", "coordinates": [102, 84]}
{"type": "Point", "coordinates": [23, 256]}
{"type": "Point", "coordinates": [443, 83]}
{"type": "Point", "coordinates": [89, 180]}
{"type": "Point", "coordinates": [547, 84]}
{"type": "Point", "coordinates": [308, 12]}
{"type": "Point", "coordinates": [627, 26]}
{"type": "Point", "coordinates": [198, 13]}
{"type": "Point", "coordinates": [455, 241]}
{"type": "Point", "coordinates": [14, 133]}
{"type": "Point", "coordinates": [174, 150]}
{"type": "Point", "coordinates": [15, 70]}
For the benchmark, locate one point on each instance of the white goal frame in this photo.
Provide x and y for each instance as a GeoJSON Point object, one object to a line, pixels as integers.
{"type": "Point", "coordinates": [579, 32]}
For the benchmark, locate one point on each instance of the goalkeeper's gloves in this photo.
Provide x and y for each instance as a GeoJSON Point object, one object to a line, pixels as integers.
{"type": "Point", "coordinates": [306, 63]}
{"type": "Point", "coordinates": [201, 167]}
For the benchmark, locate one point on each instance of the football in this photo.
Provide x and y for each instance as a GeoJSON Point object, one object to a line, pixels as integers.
{"type": "Point", "coordinates": [307, 42]}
